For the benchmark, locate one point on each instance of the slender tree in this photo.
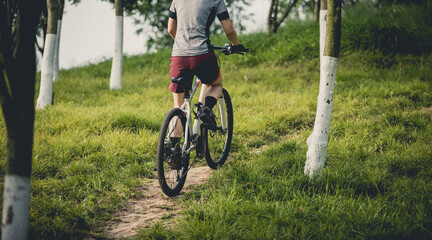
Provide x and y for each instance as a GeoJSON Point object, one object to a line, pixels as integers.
{"type": "Point", "coordinates": [45, 91]}
{"type": "Point", "coordinates": [42, 27]}
{"type": "Point", "coordinates": [318, 140]}
{"type": "Point", "coordinates": [278, 12]}
{"type": "Point", "coordinates": [56, 67]}
{"type": "Point", "coordinates": [117, 62]}
{"type": "Point", "coordinates": [317, 8]}
{"type": "Point", "coordinates": [323, 25]}
{"type": "Point", "coordinates": [18, 23]}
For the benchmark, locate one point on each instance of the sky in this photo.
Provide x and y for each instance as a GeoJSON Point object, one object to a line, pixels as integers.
{"type": "Point", "coordinates": [87, 34]}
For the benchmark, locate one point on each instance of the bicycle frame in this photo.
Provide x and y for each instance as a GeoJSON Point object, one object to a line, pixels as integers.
{"type": "Point", "coordinates": [192, 130]}
{"type": "Point", "coordinates": [186, 133]}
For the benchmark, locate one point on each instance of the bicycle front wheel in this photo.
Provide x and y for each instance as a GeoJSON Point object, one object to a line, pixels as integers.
{"type": "Point", "coordinates": [217, 140]}
{"type": "Point", "coordinates": [172, 166]}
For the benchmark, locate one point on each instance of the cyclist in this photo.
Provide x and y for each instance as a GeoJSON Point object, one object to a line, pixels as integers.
{"type": "Point", "coordinates": [189, 23]}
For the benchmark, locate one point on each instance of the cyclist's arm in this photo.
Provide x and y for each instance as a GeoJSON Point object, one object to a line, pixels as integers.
{"type": "Point", "coordinates": [230, 31]}
{"type": "Point", "coordinates": [172, 27]}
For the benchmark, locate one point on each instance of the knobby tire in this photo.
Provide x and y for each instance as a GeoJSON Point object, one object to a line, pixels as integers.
{"type": "Point", "coordinates": [217, 143]}
{"type": "Point", "coordinates": [171, 176]}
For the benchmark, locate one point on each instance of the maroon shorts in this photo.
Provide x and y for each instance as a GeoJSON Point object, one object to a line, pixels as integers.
{"type": "Point", "coordinates": [203, 66]}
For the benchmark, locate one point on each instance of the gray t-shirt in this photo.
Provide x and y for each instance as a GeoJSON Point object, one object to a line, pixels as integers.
{"type": "Point", "coordinates": [194, 18]}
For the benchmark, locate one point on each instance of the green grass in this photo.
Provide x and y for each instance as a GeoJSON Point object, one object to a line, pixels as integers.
{"type": "Point", "coordinates": [377, 181]}
{"type": "Point", "coordinates": [94, 146]}
{"type": "Point", "coordinates": [404, 28]}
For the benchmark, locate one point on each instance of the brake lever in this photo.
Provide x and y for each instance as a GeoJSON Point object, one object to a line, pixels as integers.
{"type": "Point", "coordinates": [226, 52]}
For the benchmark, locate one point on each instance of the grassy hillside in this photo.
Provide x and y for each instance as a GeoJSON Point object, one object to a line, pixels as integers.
{"type": "Point", "coordinates": [94, 146]}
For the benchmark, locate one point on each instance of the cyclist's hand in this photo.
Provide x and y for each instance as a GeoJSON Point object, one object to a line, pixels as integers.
{"type": "Point", "coordinates": [238, 49]}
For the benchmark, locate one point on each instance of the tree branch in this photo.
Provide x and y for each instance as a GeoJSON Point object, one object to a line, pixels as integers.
{"type": "Point", "coordinates": [61, 9]}
{"type": "Point", "coordinates": [287, 11]}
{"type": "Point", "coordinates": [39, 47]}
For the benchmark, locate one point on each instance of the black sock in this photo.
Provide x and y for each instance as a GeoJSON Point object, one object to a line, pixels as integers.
{"type": "Point", "coordinates": [210, 102]}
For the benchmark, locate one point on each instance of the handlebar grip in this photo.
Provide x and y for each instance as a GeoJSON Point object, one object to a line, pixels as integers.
{"type": "Point", "coordinates": [228, 49]}
{"type": "Point", "coordinates": [217, 47]}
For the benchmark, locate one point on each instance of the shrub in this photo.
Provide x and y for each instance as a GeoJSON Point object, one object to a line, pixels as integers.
{"type": "Point", "coordinates": [392, 28]}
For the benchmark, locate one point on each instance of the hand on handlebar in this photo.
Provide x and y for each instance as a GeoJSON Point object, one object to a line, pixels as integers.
{"type": "Point", "coordinates": [231, 49]}
{"type": "Point", "coordinates": [238, 49]}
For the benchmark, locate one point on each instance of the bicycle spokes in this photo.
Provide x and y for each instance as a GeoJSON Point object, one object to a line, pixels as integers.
{"type": "Point", "coordinates": [172, 164]}
{"type": "Point", "coordinates": [217, 139]}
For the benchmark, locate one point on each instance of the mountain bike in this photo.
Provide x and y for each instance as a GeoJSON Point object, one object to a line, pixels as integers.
{"type": "Point", "coordinates": [212, 142]}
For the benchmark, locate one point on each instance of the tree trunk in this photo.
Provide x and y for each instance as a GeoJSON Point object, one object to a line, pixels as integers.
{"type": "Point", "coordinates": [43, 28]}
{"type": "Point", "coordinates": [45, 91]}
{"type": "Point", "coordinates": [318, 140]}
{"type": "Point", "coordinates": [116, 68]}
{"type": "Point", "coordinates": [323, 25]}
{"type": "Point", "coordinates": [317, 9]}
{"type": "Point", "coordinates": [56, 67]}
{"type": "Point", "coordinates": [273, 21]}
{"type": "Point", "coordinates": [270, 17]}
{"type": "Point", "coordinates": [17, 84]}
{"type": "Point", "coordinates": [333, 36]}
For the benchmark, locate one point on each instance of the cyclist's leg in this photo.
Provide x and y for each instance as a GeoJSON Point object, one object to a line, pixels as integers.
{"type": "Point", "coordinates": [177, 133]}
{"type": "Point", "coordinates": [212, 94]}
{"type": "Point", "coordinates": [215, 90]}
{"type": "Point", "coordinates": [179, 68]}
{"type": "Point", "coordinates": [207, 69]}
{"type": "Point", "coordinates": [203, 93]}
{"type": "Point", "coordinates": [217, 141]}
{"type": "Point", "coordinates": [178, 99]}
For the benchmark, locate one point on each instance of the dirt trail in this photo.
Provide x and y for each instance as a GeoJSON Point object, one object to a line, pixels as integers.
{"type": "Point", "coordinates": [152, 207]}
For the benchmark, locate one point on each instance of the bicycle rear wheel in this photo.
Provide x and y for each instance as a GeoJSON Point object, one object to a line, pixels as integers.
{"type": "Point", "coordinates": [172, 167]}
{"type": "Point", "coordinates": [217, 140]}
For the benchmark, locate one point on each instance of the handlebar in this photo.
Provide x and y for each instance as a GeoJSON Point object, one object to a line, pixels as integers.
{"type": "Point", "coordinates": [227, 49]}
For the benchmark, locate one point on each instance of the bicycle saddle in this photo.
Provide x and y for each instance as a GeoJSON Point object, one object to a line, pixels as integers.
{"type": "Point", "coordinates": [182, 84]}
{"type": "Point", "coordinates": [179, 80]}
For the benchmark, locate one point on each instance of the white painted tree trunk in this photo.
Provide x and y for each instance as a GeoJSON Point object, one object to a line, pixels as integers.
{"type": "Point", "coordinates": [56, 67]}
{"type": "Point", "coordinates": [45, 91]}
{"type": "Point", "coordinates": [329, 50]}
{"type": "Point", "coordinates": [116, 68]}
{"type": "Point", "coordinates": [318, 140]}
{"type": "Point", "coordinates": [16, 207]}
